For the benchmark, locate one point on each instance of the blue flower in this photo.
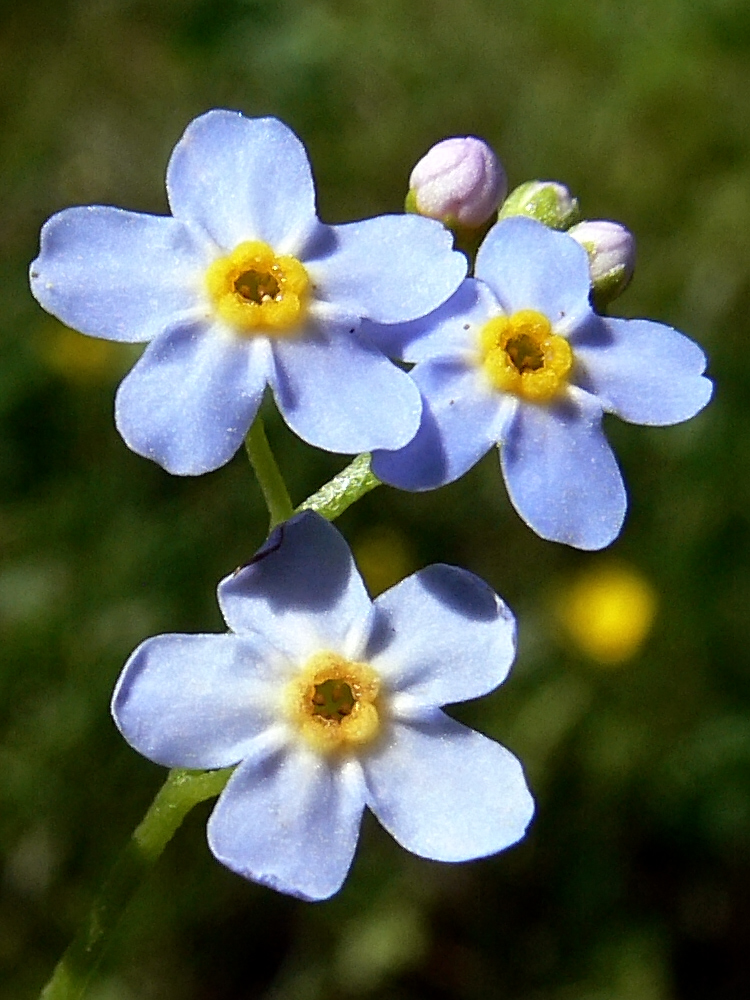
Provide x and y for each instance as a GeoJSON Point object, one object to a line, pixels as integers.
{"type": "Point", "coordinates": [242, 287]}
{"type": "Point", "coordinates": [328, 703]}
{"type": "Point", "coordinates": [519, 359]}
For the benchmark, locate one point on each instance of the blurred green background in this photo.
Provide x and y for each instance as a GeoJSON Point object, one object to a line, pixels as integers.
{"type": "Point", "coordinates": [634, 882]}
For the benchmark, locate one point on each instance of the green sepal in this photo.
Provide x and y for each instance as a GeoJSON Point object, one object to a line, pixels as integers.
{"type": "Point", "coordinates": [546, 201]}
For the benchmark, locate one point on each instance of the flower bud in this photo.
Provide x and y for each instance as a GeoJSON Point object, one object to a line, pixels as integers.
{"type": "Point", "coordinates": [611, 250]}
{"type": "Point", "coordinates": [459, 181]}
{"type": "Point", "coordinates": [545, 201]}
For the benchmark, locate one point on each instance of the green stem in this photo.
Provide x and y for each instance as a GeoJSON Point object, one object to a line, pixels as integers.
{"type": "Point", "coordinates": [267, 472]}
{"type": "Point", "coordinates": [180, 792]}
{"type": "Point", "coordinates": [343, 490]}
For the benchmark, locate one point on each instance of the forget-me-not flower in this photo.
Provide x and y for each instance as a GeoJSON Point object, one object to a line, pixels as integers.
{"type": "Point", "coordinates": [242, 286]}
{"type": "Point", "coordinates": [518, 358]}
{"type": "Point", "coordinates": [329, 702]}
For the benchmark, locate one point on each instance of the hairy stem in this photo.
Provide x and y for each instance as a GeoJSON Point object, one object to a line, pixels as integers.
{"type": "Point", "coordinates": [180, 792]}
{"type": "Point", "coordinates": [343, 490]}
{"type": "Point", "coordinates": [267, 472]}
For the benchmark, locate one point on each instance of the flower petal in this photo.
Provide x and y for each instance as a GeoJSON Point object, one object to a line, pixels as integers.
{"type": "Point", "coordinates": [118, 275]}
{"type": "Point", "coordinates": [561, 474]}
{"type": "Point", "coordinates": [337, 392]}
{"type": "Point", "coordinates": [440, 636]}
{"type": "Point", "coordinates": [529, 266]}
{"type": "Point", "coordinates": [449, 332]}
{"type": "Point", "coordinates": [446, 792]}
{"type": "Point", "coordinates": [289, 821]}
{"type": "Point", "coordinates": [243, 179]}
{"type": "Point", "coordinates": [301, 590]}
{"type": "Point", "coordinates": [460, 423]}
{"type": "Point", "coordinates": [389, 269]}
{"type": "Point", "coordinates": [190, 399]}
{"type": "Point", "coordinates": [645, 372]}
{"type": "Point", "coordinates": [195, 700]}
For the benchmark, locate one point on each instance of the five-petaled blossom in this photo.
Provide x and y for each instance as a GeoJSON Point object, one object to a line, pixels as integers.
{"type": "Point", "coordinates": [329, 702]}
{"type": "Point", "coordinates": [242, 286]}
{"type": "Point", "coordinates": [519, 358]}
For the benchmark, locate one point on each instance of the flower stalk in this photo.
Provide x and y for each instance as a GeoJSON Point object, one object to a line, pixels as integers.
{"type": "Point", "coordinates": [350, 485]}
{"type": "Point", "coordinates": [268, 474]}
{"type": "Point", "coordinates": [180, 792]}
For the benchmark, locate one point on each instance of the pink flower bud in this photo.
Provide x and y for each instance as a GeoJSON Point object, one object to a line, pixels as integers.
{"type": "Point", "coordinates": [459, 181]}
{"type": "Point", "coordinates": [611, 250]}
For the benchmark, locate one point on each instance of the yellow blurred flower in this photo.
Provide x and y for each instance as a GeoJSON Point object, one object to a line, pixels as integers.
{"type": "Point", "coordinates": [384, 557]}
{"type": "Point", "coordinates": [608, 611]}
{"type": "Point", "coordinates": [79, 358]}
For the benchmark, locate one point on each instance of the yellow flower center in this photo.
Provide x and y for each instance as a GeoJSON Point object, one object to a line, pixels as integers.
{"type": "Point", "coordinates": [332, 702]}
{"type": "Point", "coordinates": [521, 354]}
{"type": "Point", "coordinates": [257, 292]}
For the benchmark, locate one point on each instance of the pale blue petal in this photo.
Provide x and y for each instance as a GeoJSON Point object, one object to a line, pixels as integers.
{"type": "Point", "coordinates": [460, 423]}
{"type": "Point", "coordinates": [339, 393]}
{"type": "Point", "coordinates": [446, 792]}
{"type": "Point", "coordinates": [243, 179]}
{"type": "Point", "coordinates": [290, 821]}
{"type": "Point", "coordinates": [561, 474]}
{"type": "Point", "coordinates": [190, 399]}
{"type": "Point", "coordinates": [441, 636]}
{"type": "Point", "coordinates": [119, 275]}
{"type": "Point", "coordinates": [389, 269]}
{"type": "Point", "coordinates": [449, 332]}
{"type": "Point", "coordinates": [195, 701]}
{"type": "Point", "coordinates": [645, 372]}
{"type": "Point", "coordinates": [302, 591]}
{"type": "Point", "coordinates": [529, 266]}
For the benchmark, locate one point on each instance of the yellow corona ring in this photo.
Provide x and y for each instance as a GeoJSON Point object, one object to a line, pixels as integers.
{"type": "Point", "coordinates": [257, 292]}
{"type": "Point", "coordinates": [521, 354]}
{"type": "Point", "coordinates": [333, 703]}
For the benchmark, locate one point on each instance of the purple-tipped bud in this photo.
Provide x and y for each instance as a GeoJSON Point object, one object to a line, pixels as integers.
{"type": "Point", "coordinates": [611, 250]}
{"type": "Point", "coordinates": [459, 181]}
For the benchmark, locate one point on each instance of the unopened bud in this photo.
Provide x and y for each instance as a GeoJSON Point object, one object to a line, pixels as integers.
{"type": "Point", "coordinates": [611, 250]}
{"type": "Point", "coordinates": [545, 201]}
{"type": "Point", "coordinates": [459, 181]}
